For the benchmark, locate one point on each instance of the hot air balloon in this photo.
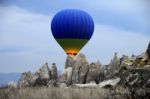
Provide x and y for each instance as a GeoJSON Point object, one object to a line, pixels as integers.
{"type": "Point", "coordinates": [72, 29]}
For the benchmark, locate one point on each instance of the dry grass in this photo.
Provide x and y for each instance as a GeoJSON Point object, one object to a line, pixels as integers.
{"type": "Point", "coordinates": [64, 93]}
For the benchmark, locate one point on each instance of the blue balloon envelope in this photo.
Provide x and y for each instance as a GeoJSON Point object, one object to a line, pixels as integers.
{"type": "Point", "coordinates": [72, 29]}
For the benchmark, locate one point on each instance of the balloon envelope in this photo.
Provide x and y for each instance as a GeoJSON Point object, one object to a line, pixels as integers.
{"type": "Point", "coordinates": [72, 29]}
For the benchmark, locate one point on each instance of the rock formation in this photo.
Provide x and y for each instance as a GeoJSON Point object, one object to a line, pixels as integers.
{"type": "Point", "coordinates": [44, 75]}
{"type": "Point", "coordinates": [148, 50]}
{"type": "Point", "coordinates": [53, 72]}
{"type": "Point", "coordinates": [115, 62]}
{"type": "Point", "coordinates": [41, 77]}
{"type": "Point", "coordinates": [12, 84]}
{"type": "Point", "coordinates": [66, 74]}
{"type": "Point", "coordinates": [130, 72]}
{"type": "Point", "coordinates": [113, 66]}
{"type": "Point", "coordinates": [80, 69]}
{"type": "Point", "coordinates": [44, 72]}
{"type": "Point", "coordinates": [135, 77]}
{"type": "Point", "coordinates": [25, 80]}
{"type": "Point", "coordinates": [69, 62]}
{"type": "Point", "coordinates": [63, 76]}
{"type": "Point", "coordinates": [142, 60]}
{"type": "Point", "coordinates": [83, 71]}
{"type": "Point", "coordinates": [94, 72]}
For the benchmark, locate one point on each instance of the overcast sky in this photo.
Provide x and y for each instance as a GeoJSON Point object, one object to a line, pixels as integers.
{"type": "Point", "coordinates": [26, 41]}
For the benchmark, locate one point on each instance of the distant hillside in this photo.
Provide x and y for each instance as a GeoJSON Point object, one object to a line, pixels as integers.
{"type": "Point", "coordinates": [6, 77]}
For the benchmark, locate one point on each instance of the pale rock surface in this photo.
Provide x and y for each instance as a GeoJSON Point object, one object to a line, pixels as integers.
{"type": "Point", "coordinates": [94, 72]}
{"type": "Point", "coordinates": [80, 69]}
{"type": "Point", "coordinates": [53, 72]}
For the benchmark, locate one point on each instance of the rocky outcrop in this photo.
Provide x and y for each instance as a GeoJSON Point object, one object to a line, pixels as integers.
{"type": "Point", "coordinates": [104, 84]}
{"type": "Point", "coordinates": [94, 72]}
{"type": "Point", "coordinates": [66, 75]}
{"type": "Point", "coordinates": [44, 76]}
{"type": "Point", "coordinates": [69, 62]}
{"type": "Point", "coordinates": [80, 69]}
{"type": "Point", "coordinates": [110, 83]}
{"type": "Point", "coordinates": [44, 72]}
{"type": "Point", "coordinates": [135, 77]}
{"type": "Point", "coordinates": [148, 50]}
{"type": "Point", "coordinates": [83, 71]}
{"type": "Point", "coordinates": [126, 61]}
{"type": "Point", "coordinates": [75, 74]}
{"type": "Point", "coordinates": [63, 76]}
{"type": "Point", "coordinates": [113, 66]}
{"type": "Point", "coordinates": [53, 72]}
{"type": "Point", "coordinates": [130, 72]}
{"type": "Point", "coordinates": [12, 84]}
{"type": "Point", "coordinates": [26, 80]}
{"type": "Point", "coordinates": [102, 73]}
{"type": "Point", "coordinates": [141, 60]}
{"type": "Point", "coordinates": [88, 85]}
{"type": "Point", "coordinates": [69, 73]}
